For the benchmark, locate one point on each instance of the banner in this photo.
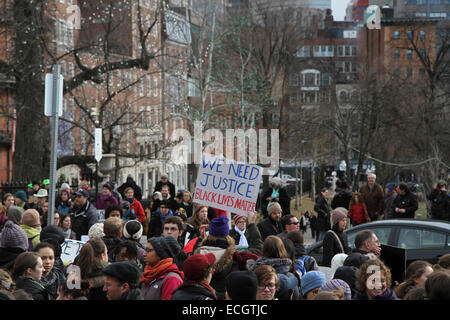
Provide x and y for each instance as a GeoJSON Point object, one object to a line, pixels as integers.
{"type": "Point", "coordinates": [69, 250]}
{"type": "Point", "coordinates": [228, 185]}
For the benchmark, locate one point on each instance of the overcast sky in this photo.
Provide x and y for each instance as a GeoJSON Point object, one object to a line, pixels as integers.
{"type": "Point", "coordinates": [338, 7]}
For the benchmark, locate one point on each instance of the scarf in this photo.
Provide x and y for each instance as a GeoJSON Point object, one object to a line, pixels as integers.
{"type": "Point", "coordinates": [151, 272]}
{"type": "Point", "coordinates": [242, 240]}
{"type": "Point", "coordinates": [201, 285]}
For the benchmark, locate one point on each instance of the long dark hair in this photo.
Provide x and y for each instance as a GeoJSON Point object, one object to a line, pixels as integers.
{"type": "Point", "coordinates": [90, 252]}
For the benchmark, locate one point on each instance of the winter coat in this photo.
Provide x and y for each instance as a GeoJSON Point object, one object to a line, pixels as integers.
{"type": "Point", "coordinates": [64, 207]}
{"type": "Point", "coordinates": [52, 282]}
{"type": "Point", "coordinates": [103, 202]}
{"type": "Point", "coordinates": [388, 205]}
{"type": "Point", "coordinates": [8, 256]}
{"type": "Point", "coordinates": [159, 185]}
{"type": "Point", "coordinates": [33, 288]}
{"type": "Point", "coordinates": [33, 235]}
{"type": "Point", "coordinates": [192, 292]}
{"type": "Point", "coordinates": [358, 213]}
{"type": "Point", "coordinates": [269, 227]}
{"type": "Point", "coordinates": [332, 246]}
{"type": "Point", "coordinates": [407, 201]}
{"type": "Point", "coordinates": [133, 294]}
{"type": "Point", "coordinates": [386, 295]}
{"type": "Point", "coordinates": [440, 205]}
{"type": "Point", "coordinates": [285, 201]}
{"type": "Point", "coordinates": [130, 183]}
{"type": "Point", "coordinates": [137, 209]}
{"type": "Point", "coordinates": [341, 199]}
{"type": "Point", "coordinates": [83, 219]}
{"type": "Point", "coordinates": [254, 239]}
{"type": "Point", "coordinates": [323, 213]}
{"type": "Point", "coordinates": [163, 285]}
{"type": "Point", "coordinates": [374, 199]}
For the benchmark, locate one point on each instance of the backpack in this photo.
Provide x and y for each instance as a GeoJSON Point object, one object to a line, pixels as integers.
{"type": "Point", "coordinates": [300, 268]}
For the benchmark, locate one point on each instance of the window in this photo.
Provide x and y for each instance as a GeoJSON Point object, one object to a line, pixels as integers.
{"type": "Point", "coordinates": [418, 239]}
{"type": "Point", "coordinates": [71, 70]}
{"type": "Point", "coordinates": [383, 235]}
{"type": "Point", "coordinates": [408, 54]}
{"type": "Point", "coordinates": [435, 1]}
{"type": "Point", "coordinates": [149, 86]}
{"type": "Point", "coordinates": [410, 34]}
{"type": "Point", "coordinates": [346, 51]}
{"type": "Point", "coordinates": [155, 86]}
{"type": "Point", "coordinates": [293, 98]}
{"type": "Point", "coordinates": [421, 14]}
{"type": "Point", "coordinates": [293, 79]}
{"type": "Point", "coordinates": [323, 51]}
{"type": "Point", "coordinates": [303, 51]}
{"type": "Point", "coordinates": [396, 54]}
{"type": "Point", "coordinates": [310, 97]}
{"type": "Point", "coordinates": [63, 68]}
{"type": "Point", "coordinates": [141, 88]}
{"type": "Point", "coordinates": [325, 79]}
{"type": "Point", "coordinates": [409, 73]}
{"type": "Point", "coordinates": [311, 78]}
{"type": "Point", "coordinates": [396, 34]}
{"type": "Point", "coordinates": [438, 15]}
{"type": "Point", "coordinates": [422, 34]}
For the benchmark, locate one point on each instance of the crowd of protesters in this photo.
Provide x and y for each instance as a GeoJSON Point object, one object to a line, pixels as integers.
{"type": "Point", "coordinates": [194, 252]}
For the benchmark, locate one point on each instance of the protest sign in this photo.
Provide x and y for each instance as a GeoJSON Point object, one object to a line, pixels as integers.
{"type": "Point", "coordinates": [228, 185]}
{"type": "Point", "coordinates": [69, 250]}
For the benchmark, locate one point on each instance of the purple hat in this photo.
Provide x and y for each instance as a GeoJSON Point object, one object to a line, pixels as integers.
{"type": "Point", "coordinates": [83, 193]}
{"type": "Point", "coordinates": [219, 227]}
{"type": "Point", "coordinates": [335, 284]}
{"type": "Point", "coordinates": [13, 236]}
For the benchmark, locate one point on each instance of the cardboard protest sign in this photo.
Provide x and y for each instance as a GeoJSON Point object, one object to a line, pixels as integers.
{"type": "Point", "coordinates": [69, 250]}
{"type": "Point", "coordinates": [228, 185]}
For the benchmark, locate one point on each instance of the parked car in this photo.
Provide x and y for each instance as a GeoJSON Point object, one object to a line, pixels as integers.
{"type": "Point", "coordinates": [422, 239]}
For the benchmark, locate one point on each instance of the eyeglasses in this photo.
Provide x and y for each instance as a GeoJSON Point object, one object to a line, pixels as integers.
{"type": "Point", "coordinates": [296, 223]}
{"type": "Point", "coordinates": [269, 285]}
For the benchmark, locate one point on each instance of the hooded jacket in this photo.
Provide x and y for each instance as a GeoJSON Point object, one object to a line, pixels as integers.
{"type": "Point", "coordinates": [103, 202]}
{"type": "Point", "coordinates": [83, 219]}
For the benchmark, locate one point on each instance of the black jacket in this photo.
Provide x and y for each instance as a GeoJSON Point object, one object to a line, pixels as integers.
{"type": "Point", "coordinates": [323, 213]}
{"type": "Point", "coordinates": [406, 201]}
{"type": "Point", "coordinates": [111, 244]}
{"type": "Point", "coordinates": [33, 288]}
{"type": "Point", "coordinates": [440, 205]}
{"type": "Point", "coordinates": [159, 185]}
{"type": "Point", "coordinates": [83, 219]}
{"type": "Point", "coordinates": [130, 183]}
{"type": "Point", "coordinates": [331, 246]}
{"type": "Point", "coordinates": [192, 292]}
{"type": "Point", "coordinates": [8, 257]}
{"type": "Point", "coordinates": [285, 201]}
{"type": "Point", "coordinates": [341, 199]}
{"type": "Point", "coordinates": [269, 227]}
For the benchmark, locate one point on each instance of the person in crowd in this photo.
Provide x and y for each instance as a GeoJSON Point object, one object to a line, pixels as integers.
{"type": "Point", "coordinates": [311, 283]}
{"type": "Point", "coordinates": [336, 284]}
{"type": "Point", "coordinates": [268, 282]}
{"type": "Point", "coordinates": [416, 293]}
{"type": "Point", "coordinates": [128, 250]}
{"type": "Point", "coordinates": [367, 246]}
{"type": "Point", "coordinates": [335, 240]}
{"type": "Point", "coordinates": [65, 223]}
{"type": "Point", "coordinates": [303, 262]}
{"type": "Point", "coordinates": [288, 223]}
{"type": "Point", "coordinates": [106, 198]}
{"type": "Point", "coordinates": [165, 195]}
{"type": "Point", "coordinates": [157, 219]}
{"type": "Point", "coordinates": [373, 197]}
{"type": "Point", "coordinates": [112, 228]}
{"type": "Point", "coordinates": [83, 213]}
{"type": "Point", "coordinates": [93, 257]}
{"type": "Point", "coordinates": [8, 200]}
{"type": "Point", "coordinates": [51, 277]}
{"type": "Point", "coordinates": [31, 224]}
{"type": "Point", "coordinates": [241, 285]}
{"type": "Point", "coordinates": [113, 211]}
{"type": "Point", "coordinates": [21, 199]}
{"type": "Point", "coordinates": [390, 193]}
{"type": "Point", "coordinates": [130, 183]}
{"type": "Point", "coordinates": [330, 295]}
{"type": "Point", "coordinates": [440, 202]}
{"type": "Point", "coordinates": [96, 231]}
{"type": "Point", "coordinates": [55, 236]}
{"type": "Point", "coordinates": [323, 209]}
{"type": "Point", "coordinates": [443, 263]}
{"type": "Point", "coordinates": [246, 234]}
{"type": "Point", "coordinates": [122, 280]}
{"type": "Point", "coordinates": [165, 181]}
{"type": "Point", "coordinates": [127, 212]}
{"type": "Point", "coordinates": [197, 222]}
{"type": "Point", "coordinates": [172, 227]}
{"type": "Point", "coordinates": [303, 222]}
{"type": "Point", "coordinates": [3, 216]}
{"type": "Point", "coordinates": [41, 198]}
{"type": "Point", "coordinates": [71, 292]}
{"type": "Point", "coordinates": [161, 275]}
{"type": "Point", "coordinates": [27, 273]}
{"type": "Point", "coordinates": [348, 275]}
{"type": "Point", "coordinates": [14, 214]}
{"type": "Point", "coordinates": [416, 275]}
{"type": "Point", "coordinates": [65, 202]}
{"type": "Point", "coordinates": [13, 242]}
{"type": "Point", "coordinates": [405, 204]}
{"type": "Point", "coordinates": [276, 193]}
{"type": "Point", "coordinates": [132, 231]}
{"type": "Point", "coordinates": [275, 254]}
{"type": "Point", "coordinates": [373, 281]}
{"type": "Point", "coordinates": [358, 213]}
{"type": "Point", "coordinates": [313, 224]}
{"type": "Point", "coordinates": [271, 225]}
{"type": "Point", "coordinates": [222, 245]}
{"type": "Point", "coordinates": [187, 203]}
{"type": "Point", "coordinates": [437, 286]}
{"type": "Point", "coordinates": [342, 197]}
{"type": "Point", "coordinates": [135, 204]}
{"type": "Point", "coordinates": [198, 271]}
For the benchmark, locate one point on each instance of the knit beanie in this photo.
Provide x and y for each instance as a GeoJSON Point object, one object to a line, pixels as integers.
{"type": "Point", "coordinates": [14, 214]}
{"type": "Point", "coordinates": [132, 230]}
{"type": "Point", "coordinates": [238, 218]}
{"type": "Point", "coordinates": [242, 285]}
{"type": "Point", "coordinates": [31, 218]}
{"type": "Point", "coordinates": [13, 236]}
{"type": "Point", "coordinates": [335, 284]}
{"type": "Point", "coordinates": [21, 195]}
{"type": "Point", "coordinates": [96, 231]}
{"type": "Point", "coordinates": [311, 280]}
{"type": "Point", "coordinates": [219, 227]}
{"type": "Point", "coordinates": [52, 232]}
{"type": "Point", "coordinates": [165, 247]}
{"type": "Point", "coordinates": [338, 214]}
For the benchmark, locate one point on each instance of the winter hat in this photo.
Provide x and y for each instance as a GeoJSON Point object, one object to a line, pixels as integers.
{"type": "Point", "coordinates": [165, 247]}
{"type": "Point", "coordinates": [21, 195]}
{"type": "Point", "coordinates": [241, 257]}
{"type": "Point", "coordinates": [194, 266]}
{"type": "Point", "coordinates": [338, 261]}
{"type": "Point", "coordinates": [338, 214]}
{"type": "Point", "coordinates": [14, 214]}
{"type": "Point", "coordinates": [286, 284]}
{"type": "Point", "coordinates": [311, 280]}
{"type": "Point", "coordinates": [158, 194]}
{"type": "Point", "coordinates": [355, 260]}
{"type": "Point", "coordinates": [108, 186]}
{"type": "Point", "coordinates": [164, 176]}
{"type": "Point", "coordinates": [13, 236]}
{"type": "Point", "coordinates": [132, 230]}
{"type": "Point", "coordinates": [52, 232]}
{"type": "Point", "coordinates": [82, 192]}
{"type": "Point", "coordinates": [335, 284]}
{"type": "Point", "coordinates": [31, 218]}
{"type": "Point", "coordinates": [181, 212]}
{"type": "Point", "coordinates": [219, 227]}
{"type": "Point", "coordinates": [126, 271]}
{"type": "Point", "coordinates": [237, 218]}
{"type": "Point", "coordinates": [65, 186]}
{"type": "Point", "coordinates": [242, 285]}
{"type": "Point", "coordinates": [96, 231]}
{"type": "Point", "coordinates": [348, 274]}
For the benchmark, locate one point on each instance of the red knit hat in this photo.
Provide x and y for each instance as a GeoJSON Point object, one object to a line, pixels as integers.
{"type": "Point", "coordinates": [194, 266]}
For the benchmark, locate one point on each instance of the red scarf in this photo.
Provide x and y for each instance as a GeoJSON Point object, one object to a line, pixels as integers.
{"type": "Point", "coordinates": [163, 266]}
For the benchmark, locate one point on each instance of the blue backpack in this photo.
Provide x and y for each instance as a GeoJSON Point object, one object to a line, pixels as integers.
{"type": "Point", "coordinates": [300, 266]}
